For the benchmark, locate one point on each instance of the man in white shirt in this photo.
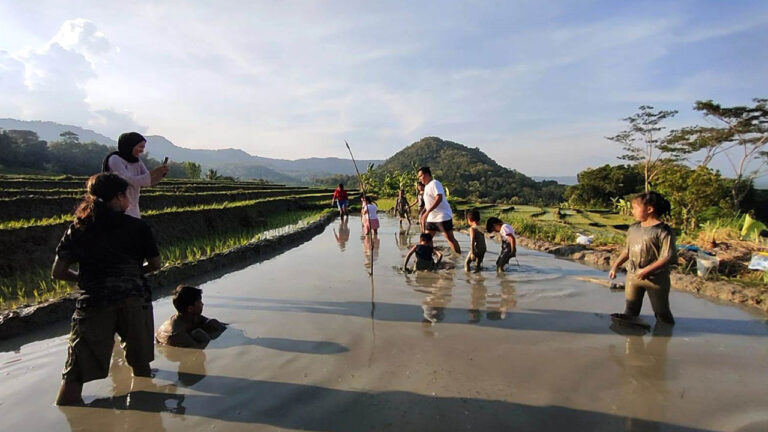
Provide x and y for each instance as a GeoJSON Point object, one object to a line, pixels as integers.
{"type": "Point", "coordinates": [437, 214]}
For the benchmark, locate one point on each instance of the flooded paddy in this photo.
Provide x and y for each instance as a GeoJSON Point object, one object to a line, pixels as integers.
{"type": "Point", "coordinates": [315, 344]}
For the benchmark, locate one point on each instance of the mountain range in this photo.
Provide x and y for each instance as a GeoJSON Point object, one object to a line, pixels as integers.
{"type": "Point", "coordinates": [230, 162]}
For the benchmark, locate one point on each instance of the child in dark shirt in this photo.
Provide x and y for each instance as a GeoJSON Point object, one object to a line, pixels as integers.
{"type": "Point", "coordinates": [476, 242]}
{"type": "Point", "coordinates": [188, 328]}
{"type": "Point", "coordinates": [424, 252]}
{"type": "Point", "coordinates": [402, 208]}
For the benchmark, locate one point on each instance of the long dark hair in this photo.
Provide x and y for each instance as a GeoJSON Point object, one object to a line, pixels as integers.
{"type": "Point", "coordinates": [125, 145]}
{"type": "Point", "coordinates": [100, 189]}
{"type": "Point", "coordinates": [660, 204]}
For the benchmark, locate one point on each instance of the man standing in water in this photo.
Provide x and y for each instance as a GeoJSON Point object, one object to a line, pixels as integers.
{"type": "Point", "coordinates": [437, 213]}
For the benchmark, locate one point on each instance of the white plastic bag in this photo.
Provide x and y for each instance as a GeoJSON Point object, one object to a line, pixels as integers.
{"type": "Point", "coordinates": [584, 240]}
{"type": "Point", "coordinates": [759, 261]}
{"type": "Point", "coordinates": [705, 263]}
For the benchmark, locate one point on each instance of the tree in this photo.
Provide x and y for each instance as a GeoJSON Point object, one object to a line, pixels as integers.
{"type": "Point", "coordinates": [643, 143]}
{"type": "Point", "coordinates": [194, 170]}
{"type": "Point", "coordinates": [8, 150]}
{"type": "Point", "coordinates": [212, 174]}
{"type": "Point", "coordinates": [76, 158]}
{"type": "Point", "coordinates": [598, 187]}
{"type": "Point", "coordinates": [691, 191]}
{"type": "Point", "coordinates": [740, 133]}
{"type": "Point", "coordinates": [29, 150]}
{"type": "Point", "coordinates": [69, 137]}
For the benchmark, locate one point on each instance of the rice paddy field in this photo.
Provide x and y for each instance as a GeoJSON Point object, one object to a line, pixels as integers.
{"type": "Point", "coordinates": [191, 219]}
{"type": "Point", "coordinates": [553, 224]}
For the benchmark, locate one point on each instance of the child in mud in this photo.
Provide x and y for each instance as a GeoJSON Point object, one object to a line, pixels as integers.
{"type": "Point", "coordinates": [508, 242]}
{"type": "Point", "coordinates": [188, 328]}
{"type": "Point", "coordinates": [650, 252]}
{"type": "Point", "coordinates": [420, 201]}
{"type": "Point", "coordinates": [424, 252]}
{"type": "Point", "coordinates": [370, 217]}
{"type": "Point", "coordinates": [402, 208]}
{"type": "Point", "coordinates": [110, 248]}
{"type": "Point", "coordinates": [476, 242]}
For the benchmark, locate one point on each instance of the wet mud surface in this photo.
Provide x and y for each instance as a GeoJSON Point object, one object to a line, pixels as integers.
{"type": "Point", "coordinates": [315, 344]}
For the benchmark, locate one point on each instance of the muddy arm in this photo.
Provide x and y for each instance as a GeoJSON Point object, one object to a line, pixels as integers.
{"type": "Point", "coordinates": [61, 271]}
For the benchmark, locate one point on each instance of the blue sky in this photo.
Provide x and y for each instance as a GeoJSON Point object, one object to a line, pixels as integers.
{"type": "Point", "coordinates": [536, 85]}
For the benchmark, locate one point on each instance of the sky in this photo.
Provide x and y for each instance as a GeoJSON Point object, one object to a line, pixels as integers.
{"type": "Point", "coordinates": [536, 85]}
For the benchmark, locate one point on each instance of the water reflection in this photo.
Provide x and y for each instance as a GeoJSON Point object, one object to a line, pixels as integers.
{"type": "Point", "coordinates": [342, 237]}
{"type": "Point", "coordinates": [191, 363]}
{"type": "Point", "coordinates": [404, 238]}
{"type": "Point", "coordinates": [438, 287]}
{"type": "Point", "coordinates": [371, 245]}
{"type": "Point", "coordinates": [496, 304]}
{"type": "Point", "coordinates": [644, 392]}
{"type": "Point", "coordinates": [133, 393]}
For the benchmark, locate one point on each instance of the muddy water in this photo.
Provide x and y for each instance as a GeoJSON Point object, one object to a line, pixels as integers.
{"type": "Point", "coordinates": [314, 344]}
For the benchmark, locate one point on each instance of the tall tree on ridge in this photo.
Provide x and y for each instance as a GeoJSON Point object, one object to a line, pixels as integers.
{"type": "Point", "coordinates": [643, 143]}
{"type": "Point", "coordinates": [740, 133]}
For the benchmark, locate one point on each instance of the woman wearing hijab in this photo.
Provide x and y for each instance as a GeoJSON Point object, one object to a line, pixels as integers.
{"type": "Point", "coordinates": [125, 162]}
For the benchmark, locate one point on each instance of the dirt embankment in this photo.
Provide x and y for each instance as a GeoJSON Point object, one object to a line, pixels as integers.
{"type": "Point", "coordinates": [25, 319]}
{"type": "Point", "coordinates": [601, 257]}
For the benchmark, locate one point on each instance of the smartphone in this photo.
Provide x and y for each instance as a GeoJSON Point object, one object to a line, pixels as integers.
{"type": "Point", "coordinates": [165, 161]}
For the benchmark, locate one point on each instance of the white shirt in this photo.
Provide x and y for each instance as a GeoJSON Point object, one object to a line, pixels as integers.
{"type": "Point", "coordinates": [443, 211]}
{"type": "Point", "coordinates": [506, 230]}
{"type": "Point", "coordinates": [137, 175]}
{"type": "Point", "coordinates": [372, 210]}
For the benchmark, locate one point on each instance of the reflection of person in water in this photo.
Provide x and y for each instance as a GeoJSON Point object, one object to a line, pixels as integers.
{"type": "Point", "coordinates": [496, 305]}
{"type": "Point", "coordinates": [343, 235]}
{"type": "Point", "coordinates": [403, 238]}
{"type": "Point", "coordinates": [371, 249]}
{"type": "Point", "coordinates": [643, 366]}
{"type": "Point", "coordinates": [439, 290]}
{"type": "Point", "coordinates": [129, 394]}
{"type": "Point", "coordinates": [191, 363]}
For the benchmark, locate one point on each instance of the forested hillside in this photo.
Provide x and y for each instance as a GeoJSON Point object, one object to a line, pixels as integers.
{"type": "Point", "coordinates": [470, 173]}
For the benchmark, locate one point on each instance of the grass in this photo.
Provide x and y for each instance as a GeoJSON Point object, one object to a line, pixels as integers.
{"type": "Point", "coordinates": [54, 220]}
{"type": "Point", "coordinates": [207, 245]}
{"type": "Point", "coordinates": [37, 286]}
{"type": "Point", "coordinates": [543, 224]}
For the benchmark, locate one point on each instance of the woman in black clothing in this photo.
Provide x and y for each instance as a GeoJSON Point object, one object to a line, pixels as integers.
{"type": "Point", "coordinates": [114, 252]}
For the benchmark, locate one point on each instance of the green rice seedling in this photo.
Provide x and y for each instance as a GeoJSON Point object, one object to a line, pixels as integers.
{"type": "Point", "coordinates": [21, 294]}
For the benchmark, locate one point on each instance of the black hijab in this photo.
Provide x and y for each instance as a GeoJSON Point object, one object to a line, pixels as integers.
{"type": "Point", "coordinates": [125, 145]}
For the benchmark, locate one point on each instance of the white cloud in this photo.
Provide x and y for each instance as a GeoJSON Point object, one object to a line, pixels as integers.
{"type": "Point", "coordinates": [289, 81]}
{"type": "Point", "coordinates": [49, 83]}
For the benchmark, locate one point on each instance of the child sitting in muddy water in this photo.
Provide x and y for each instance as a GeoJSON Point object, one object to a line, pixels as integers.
{"type": "Point", "coordinates": [508, 242]}
{"type": "Point", "coordinates": [189, 328]}
{"type": "Point", "coordinates": [476, 242]}
{"type": "Point", "coordinates": [650, 252]}
{"type": "Point", "coordinates": [424, 252]}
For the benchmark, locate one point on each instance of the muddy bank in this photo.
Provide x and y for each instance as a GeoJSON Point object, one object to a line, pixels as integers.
{"type": "Point", "coordinates": [25, 319]}
{"type": "Point", "coordinates": [601, 258]}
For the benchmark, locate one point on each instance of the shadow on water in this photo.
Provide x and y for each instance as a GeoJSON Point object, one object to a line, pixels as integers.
{"type": "Point", "coordinates": [528, 319]}
{"type": "Point", "coordinates": [236, 337]}
{"type": "Point", "coordinates": [316, 408]}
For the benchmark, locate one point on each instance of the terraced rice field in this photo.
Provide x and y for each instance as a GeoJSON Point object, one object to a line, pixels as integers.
{"type": "Point", "coordinates": [191, 219]}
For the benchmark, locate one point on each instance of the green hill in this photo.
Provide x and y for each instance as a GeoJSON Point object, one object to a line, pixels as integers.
{"type": "Point", "coordinates": [470, 173]}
